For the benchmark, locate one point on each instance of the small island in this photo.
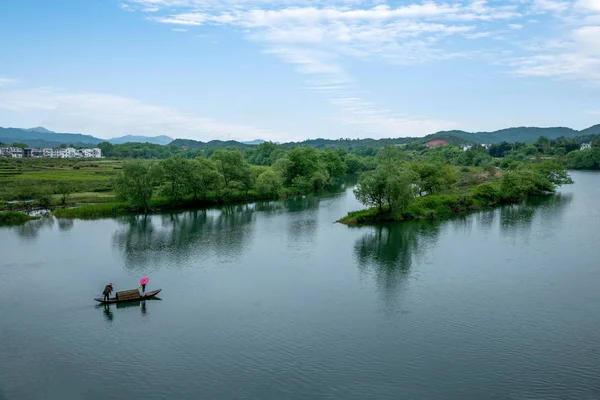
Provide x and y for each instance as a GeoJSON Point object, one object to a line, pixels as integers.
{"type": "Point", "coordinates": [432, 188]}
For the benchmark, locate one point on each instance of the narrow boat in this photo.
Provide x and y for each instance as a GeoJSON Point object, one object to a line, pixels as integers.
{"type": "Point", "coordinates": [128, 295]}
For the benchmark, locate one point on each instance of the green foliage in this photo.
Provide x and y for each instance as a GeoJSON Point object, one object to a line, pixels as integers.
{"type": "Point", "coordinates": [389, 186]}
{"type": "Point", "coordinates": [175, 174]}
{"type": "Point", "coordinates": [355, 163]}
{"type": "Point", "coordinates": [434, 176]}
{"type": "Point", "coordinates": [264, 154]}
{"type": "Point", "coordinates": [269, 183]}
{"type": "Point", "coordinates": [235, 171]}
{"type": "Point", "coordinates": [20, 145]}
{"type": "Point", "coordinates": [107, 149]}
{"type": "Point", "coordinates": [92, 211]}
{"type": "Point", "coordinates": [12, 217]}
{"type": "Point", "coordinates": [584, 159]}
{"type": "Point", "coordinates": [135, 184]}
{"type": "Point", "coordinates": [333, 164]}
{"type": "Point", "coordinates": [490, 192]}
{"type": "Point", "coordinates": [303, 163]}
{"type": "Point", "coordinates": [202, 177]}
{"type": "Point", "coordinates": [65, 189]}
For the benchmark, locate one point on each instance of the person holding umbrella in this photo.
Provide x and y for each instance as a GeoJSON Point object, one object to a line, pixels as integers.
{"type": "Point", "coordinates": [143, 282]}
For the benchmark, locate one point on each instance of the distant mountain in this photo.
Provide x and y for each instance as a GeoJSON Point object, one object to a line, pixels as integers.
{"type": "Point", "coordinates": [164, 140]}
{"type": "Point", "coordinates": [195, 144]}
{"type": "Point", "coordinates": [254, 142]}
{"type": "Point", "coordinates": [592, 130]}
{"type": "Point", "coordinates": [12, 135]}
{"type": "Point", "coordinates": [520, 134]}
{"type": "Point", "coordinates": [39, 129]}
{"type": "Point", "coordinates": [42, 137]}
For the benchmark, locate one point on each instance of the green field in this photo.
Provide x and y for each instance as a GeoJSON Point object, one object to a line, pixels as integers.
{"type": "Point", "coordinates": [24, 179]}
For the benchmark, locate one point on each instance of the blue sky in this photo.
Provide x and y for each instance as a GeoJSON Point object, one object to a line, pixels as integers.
{"type": "Point", "coordinates": [296, 69]}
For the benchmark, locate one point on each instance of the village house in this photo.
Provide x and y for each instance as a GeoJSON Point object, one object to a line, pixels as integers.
{"type": "Point", "coordinates": [69, 152]}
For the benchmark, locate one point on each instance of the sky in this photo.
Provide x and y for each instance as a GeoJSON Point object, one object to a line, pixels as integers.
{"type": "Point", "coordinates": [297, 69]}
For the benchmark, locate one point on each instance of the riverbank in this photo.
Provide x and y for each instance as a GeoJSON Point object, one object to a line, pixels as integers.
{"type": "Point", "coordinates": [158, 205]}
{"type": "Point", "coordinates": [14, 217]}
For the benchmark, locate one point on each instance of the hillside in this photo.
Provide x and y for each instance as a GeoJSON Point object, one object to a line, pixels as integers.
{"type": "Point", "coordinates": [42, 137]}
{"type": "Point", "coordinates": [164, 140]}
{"type": "Point", "coordinates": [10, 135]}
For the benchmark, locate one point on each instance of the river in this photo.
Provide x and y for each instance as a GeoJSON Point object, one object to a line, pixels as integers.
{"type": "Point", "coordinates": [276, 301]}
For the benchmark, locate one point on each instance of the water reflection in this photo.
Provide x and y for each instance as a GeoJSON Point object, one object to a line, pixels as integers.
{"type": "Point", "coordinates": [518, 219]}
{"type": "Point", "coordinates": [65, 225]}
{"type": "Point", "coordinates": [109, 315]}
{"type": "Point", "coordinates": [30, 229]}
{"type": "Point", "coordinates": [223, 232]}
{"type": "Point", "coordinates": [388, 250]}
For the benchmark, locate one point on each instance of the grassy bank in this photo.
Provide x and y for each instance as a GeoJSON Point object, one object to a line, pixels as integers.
{"type": "Point", "coordinates": [160, 204]}
{"type": "Point", "coordinates": [12, 218]}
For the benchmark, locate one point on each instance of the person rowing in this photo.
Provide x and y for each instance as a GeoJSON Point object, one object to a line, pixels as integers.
{"type": "Point", "coordinates": [107, 291]}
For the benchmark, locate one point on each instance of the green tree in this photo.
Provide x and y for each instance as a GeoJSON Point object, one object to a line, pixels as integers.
{"type": "Point", "coordinates": [234, 170]}
{"type": "Point", "coordinates": [371, 189]}
{"type": "Point", "coordinates": [175, 170]}
{"type": "Point", "coordinates": [135, 183]}
{"type": "Point", "coordinates": [202, 177]}
{"type": "Point", "coordinates": [354, 163]}
{"type": "Point", "coordinates": [333, 164]}
{"type": "Point", "coordinates": [107, 149]}
{"type": "Point", "coordinates": [65, 189]}
{"type": "Point", "coordinates": [20, 145]}
{"type": "Point", "coordinates": [269, 183]}
{"type": "Point", "coordinates": [433, 176]}
{"type": "Point", "coordinates": [302, 162]}
{"type": "Point", "coordinates": [390, 185]}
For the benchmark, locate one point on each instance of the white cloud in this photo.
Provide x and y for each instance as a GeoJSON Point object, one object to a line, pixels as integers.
{"type": "Point", "coordinates": [6, 81]}
{"type": "Point", "coordinates": [107, 116]}
{"type": "Point", "coordinates": [318, 37]}
{"type": "Point", "coordinates": [577, 57]}
{"type": "Point", "coordinates": [551, 6]}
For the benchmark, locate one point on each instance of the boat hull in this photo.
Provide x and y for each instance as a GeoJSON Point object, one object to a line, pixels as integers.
{"type": "Point", "coordinates": [113, 300]}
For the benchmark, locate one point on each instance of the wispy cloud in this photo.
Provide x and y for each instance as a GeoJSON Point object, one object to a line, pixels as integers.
{"type": "Point", "coordinates": [320, 37]}
{"type": "Point", "coordinates": [6, 81]}
{"type": "Point", "coordinates": [107, 115]}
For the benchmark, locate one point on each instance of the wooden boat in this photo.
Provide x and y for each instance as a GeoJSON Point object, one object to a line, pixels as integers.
{"type": "Point", "coordinates": [128, 295]}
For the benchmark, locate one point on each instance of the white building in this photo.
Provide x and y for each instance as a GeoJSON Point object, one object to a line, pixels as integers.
{"type": "Point", "coordinates": [12, 152]}
{"type": "Point", "coordinates": [585, 146]}
{"type": "Point", "coordinates": [69, 152]}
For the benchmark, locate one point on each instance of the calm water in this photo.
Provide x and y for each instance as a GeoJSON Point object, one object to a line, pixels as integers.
{"type": "Point", "coordinates": [276, 301]}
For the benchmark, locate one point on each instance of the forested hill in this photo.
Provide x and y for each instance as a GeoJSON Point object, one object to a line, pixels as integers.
{"type": "Point", "coordinates": [524, 135]}
{"type": "Point", "coordinates": [41, 137]}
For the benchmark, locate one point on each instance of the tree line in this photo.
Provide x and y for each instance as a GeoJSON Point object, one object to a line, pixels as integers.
{"type": "Point", "coordinates": [226, 175]}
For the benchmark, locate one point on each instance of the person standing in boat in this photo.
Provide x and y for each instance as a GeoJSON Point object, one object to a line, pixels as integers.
{"type": "Point", "coordinates": [107, 291]}
{"type": "Point", "coordinates": [143, 282]}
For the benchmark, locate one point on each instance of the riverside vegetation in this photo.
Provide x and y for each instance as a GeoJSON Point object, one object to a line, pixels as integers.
{"type": "Point", "coordinates": [399, 182]}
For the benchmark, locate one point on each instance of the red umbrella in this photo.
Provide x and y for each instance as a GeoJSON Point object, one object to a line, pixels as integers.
{"type": "Point", "coordinates": [144, 281]}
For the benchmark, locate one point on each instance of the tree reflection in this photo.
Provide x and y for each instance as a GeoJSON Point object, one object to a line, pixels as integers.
{"type": "Point", "coordinates": [224, 232]}
{"type": "Point", "coordinates": [30, 229]}
{"type": "Point", "coordinates": [518, 218]}
{"type": "Point", "coordinates": [65, 225]}
{"type": "Point", "coordinates": [388, 250]}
